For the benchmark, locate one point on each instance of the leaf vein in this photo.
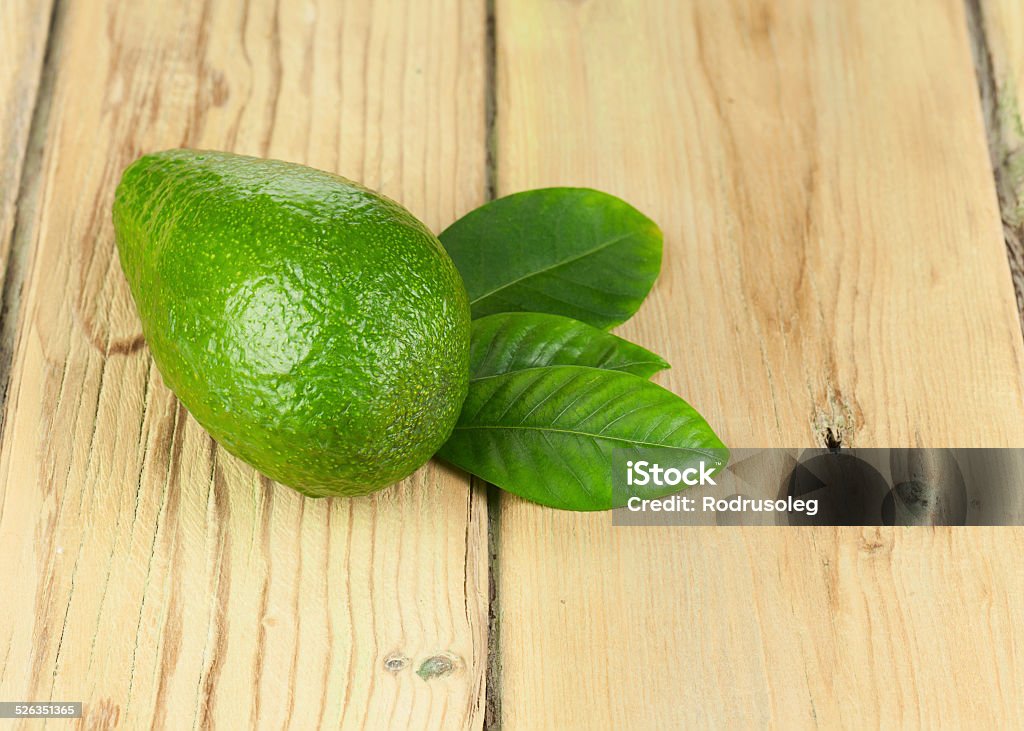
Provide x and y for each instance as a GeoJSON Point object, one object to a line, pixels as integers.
{"type": "Point", "coordinates": [570, 260]}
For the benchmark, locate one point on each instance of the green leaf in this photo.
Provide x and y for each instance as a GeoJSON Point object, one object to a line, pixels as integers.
{"type": "Point", "coordinates": [565, 251]}
{"type": "Point", "coordinates": [547, 434]}
{"type": "Point", "coordinates": [516, 341]}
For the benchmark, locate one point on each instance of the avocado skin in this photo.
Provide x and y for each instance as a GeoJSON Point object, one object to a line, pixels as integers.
{"type": "Point", "coordinates": [313, 327]}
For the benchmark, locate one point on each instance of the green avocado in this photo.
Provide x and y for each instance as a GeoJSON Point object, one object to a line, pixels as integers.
{"type": "Point", "coordinates": [315, 328]}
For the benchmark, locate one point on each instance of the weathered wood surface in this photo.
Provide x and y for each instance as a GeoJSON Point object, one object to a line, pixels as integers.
{"type": "Point", "coordinates": [998, 30]}
{"type": "Point", "coordinates": [24, 28]}
{"type": "Point", "coordinates": [146, 571]}
{"type": "Point", "coordinates": [834, 264]}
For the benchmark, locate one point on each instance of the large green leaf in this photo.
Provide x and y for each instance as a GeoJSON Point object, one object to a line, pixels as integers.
{"type": "Point", "coordinates": [566, 251]}
{"type": "Point", "coordinates": [547, 434]}
{"type": "Point", "coordinates": [516, 341]}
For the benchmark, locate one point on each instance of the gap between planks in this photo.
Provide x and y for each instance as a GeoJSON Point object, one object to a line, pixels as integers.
{"type": "Point", "coordinates": [492, 673]}
{"type": "Point", "coordinates": [26, 206]}
{"type": "Point", "coordinates": [1004, 147]}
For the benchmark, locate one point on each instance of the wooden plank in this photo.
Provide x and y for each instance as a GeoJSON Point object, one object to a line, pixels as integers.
{"type": "Point", "coordinates": [147, 572]}
{"type": "Point", "coordinates": [834, 266]}
{"type": "Point", "coordinates": [997, 27]}
{"type": "Point", "coordinates": [24, 27]}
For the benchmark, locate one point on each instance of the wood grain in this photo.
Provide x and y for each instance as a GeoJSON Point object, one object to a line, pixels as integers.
{"type": "Point", "coordinates": [24, 26]}
{"type": "Point", "coordinates": [998, 31]}
{"type": "Point", "coordinates": [147, 572]}
{"type": "Point", "coordinates": [834, 269]}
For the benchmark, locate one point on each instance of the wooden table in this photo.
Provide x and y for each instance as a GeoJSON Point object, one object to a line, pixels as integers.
{"type": "Point", "coordinates": [835, 267]}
